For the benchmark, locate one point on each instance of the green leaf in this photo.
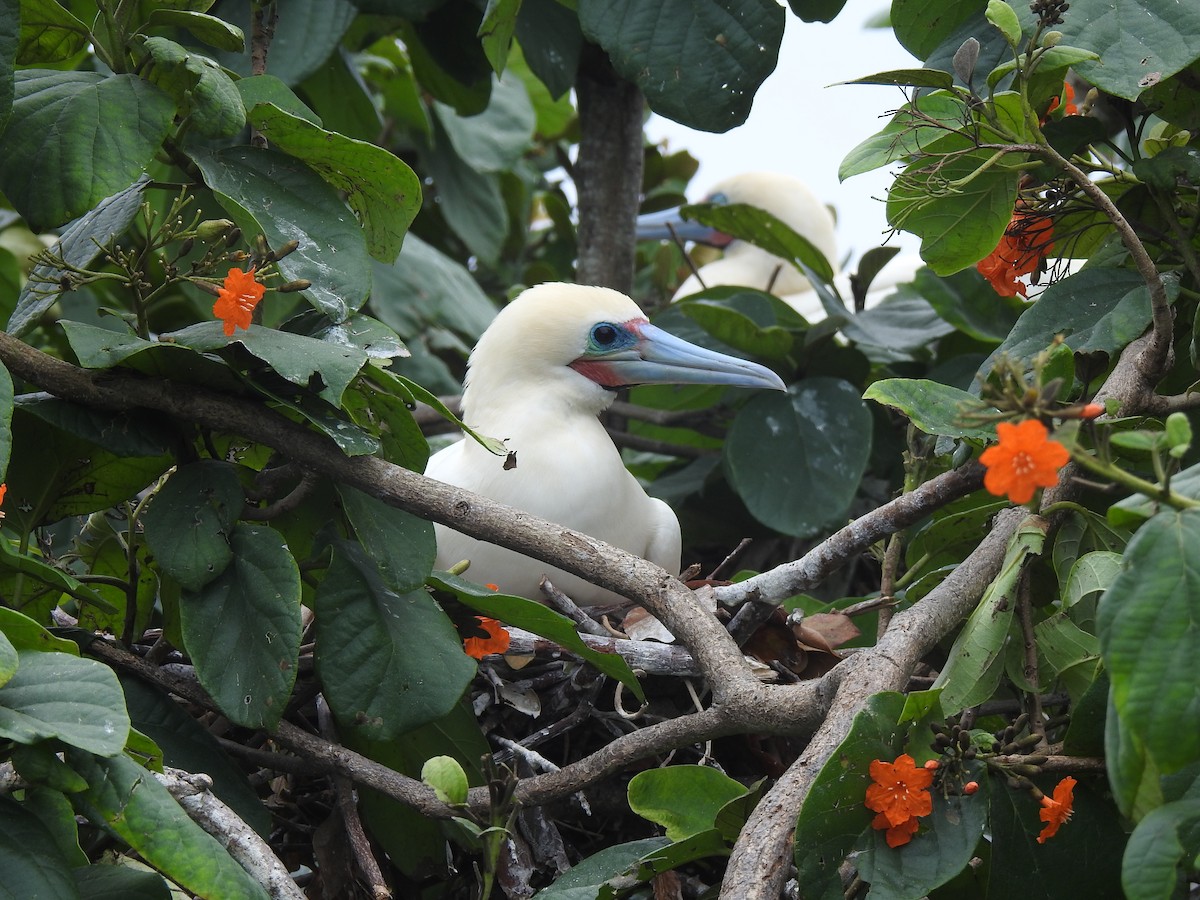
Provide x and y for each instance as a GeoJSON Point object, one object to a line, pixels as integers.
{"type": "Point", "coordinates": [268, 89]}
{"type": "Point", "coordinates": [61, 158]}
{"type": "Point", "coordinates": [269, 192]}
{"type": "Point", "coordinates": [80, 243]}
{"type": "Point", "coordinates": [925, 78]}
{"type": "Point", "coordinates": [120, 882]}
{"type": "Point", "coordinates": [1135, 38]}
{"type": "Point", "coordinates": [673, 856]}
{"type": "Point", "coordinates": [976, 661]}
{"type": "Point", "coordinates": [33, 864]}
{"type": "Point", "coordinates": [52, 576]}
{"type": "Point", "coordinates": [402, 545]}
{"type": "Point", "coordinates": [699, 62]}
{"type": "Point", "coordinates": [388, 662]}
{"type": "Point", "coordinates": [969, 303]}
{"type": "Point", "coordinates": [189, 522]}
{"type": "Point", "coordinates": [834, 816]}
{"type": "Point", "coordinates": [959, 225]}
{"type": "Point", "coordinates": [8, 660]}
{"type": "Point", "coordinates": [213, 31]}
{"type": "Point", "coordinates": [26, 634]}
{"type": "Point", "coordinates": [242, 629]}
{"type": "Point", "coordinates": [549, 35]}
{"type": "Point", "coordinates": [40, 764]}
{"type": "Point", "coordinates": [795, 471]}
{"type": "Point", "coordinates": [127, 800]}
{"type": "Point", "coordinates": [446, 776]}
{"type": "Point", "coordinates": [586, 879]}
{"type": "Point", "coordinates": [57, 814]}
{"type": "Point", "coordinates": [10, 17]}
{"type": "Point", "coordinates": [940, 850]}
{"type": "Point", "coordinates": [472, 202]}
{"type": "Point", "coordinates": [497, 138]}
{"type": "Point", "coordinates": [762, 229]}
{"type": "Point", "coordinates": [496, 31]}
{"type": "Point", "coordinates": [1162, 848]}
{"type": "Point", "coordinates": [382, 190]}
{"type": "Point", "coordinates": [389, 418]}
{"type": "Point", "coordinates": [1092, 574]}
{"type": "Point", "coordinates": [730, 321]}
{"type": "Point", "coordinates": [1146, 622]}
{"type": "Point", "coordinates": [49, 33]}
{"type": "Point", "coordinates": [817, 10]}
{"type": "Point", "coordinates": [6, 411]}
{"type": "Point", "coordinates": [303, 39]}
{"type": "Point", "coordinates": [908, 133]}
{"type": "Point", "coordinates": [534, 617]}
{"type": "Point", "coordinates": [57, 695]}
{"type": "Point", "coordinates": [1005, 19]}
{"type": "Point", "coordinates": [932, 407]}
{"type": "Point", "coordinates": [201, 90]}
{"type": "Point", "coordinates": [326, 366]}
{"type": "Point", "coordinates": [922, 25]}
{"type": "Point", "coordinates": [685, 800]}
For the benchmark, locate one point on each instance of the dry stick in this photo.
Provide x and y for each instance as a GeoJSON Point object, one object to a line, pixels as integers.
{"type": "Point", "coordinates": [347, 805]}
{"type": "Point", "coordinates": [194, 794]}
{"type": "Point", "coordinates": [568, 608]}
{"type": "Point", "coordinates": [887, 581]}
{"type": "Point", "coordinates": [651, 657]}
{"type": "Point", "coordinates": [1033, 699]}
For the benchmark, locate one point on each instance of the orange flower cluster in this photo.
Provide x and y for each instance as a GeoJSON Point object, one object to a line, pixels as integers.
{"type": "Point", "coordinates": [237, 298]}
{"type": "Point", "coordinates": [1022, 249]}
{"type": "Point", "coordinates": [900, 795]}
{"type": "Point", "coordinates": [1068, 103]}
{"type": "Point", "coordinates": [1023, 461]}
{"type": "Point", "coordinates": [496, 641]}
{"type": "Point", "coordinates": [1057, 809]}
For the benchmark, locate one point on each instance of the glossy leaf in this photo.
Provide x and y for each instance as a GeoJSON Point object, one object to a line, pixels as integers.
{"type": "Point", "coordinates": [976, 660]}
{"type": "Point", "coordinates": [211, 30]}
{"type": "Point", "coordinates": [537, 618]}
{"type": "Point", "coordinates": [201, 90]}
{"type": "Point", "coordinates": [388, 662]}
{"type": "Point", "coordinates": [761, 228]}
{"type": "Point", "coordinates": [120, 882]}
{"type": "Point", "coordinates": [834, 814]}
{"type": "Point", "coordinates": [382, 190]}
{"type": "Point", "coordinates": [699, 62]}
{"type": "Point", "coordinates": [909, 132]}
{"type": "Point", "coordinates": [496, 31]}
{"type": "Point", "coordinates": [932, 407]}
{"type": "Point", "coordinates": [402, 545]}
{"type": "Point", "coordinates": [10, 14]}
{"type": "Point", "coordinates": [79, 244]}
{"type": "Point", "coordinates": [125, 799]}
{"type": "Point", "coordinates": [49, 33]}
{"type": "Point", "coordinates": [1162, 847]}
{"type": "Point", "coordinates": [32, 862]}
{"type": "Point", "coordinates": [969, 303]}
{"type": "Point", "coordinates": [262, 89]}
{"type": "Point", "coordinates": [1146, 624]}
{"type": "Point", "coordinates": [497, 138]}
{"type": "Point", "coordinates": [797, 470]}
{"type": "Point", "coordinates": [685, 800]}
{"type": "Point", "coordinates": [738, 322]}
{"type": "Point", "coordinates": [926, 78]}
{"type": "Point", "coordinates": [8, 660]}
{"type": "Point", "coordinates": [26, 634]}
{"type": "Point", "coordinates": [242, 629]}
{"type": "Point", "coordinates": [189, 523]}
{"type": "Point", "coordinates": [57, 695]}
{"type": "Point", "coordinates": [302, 41]}
{"type": "Point", "coordinates": [922, 25]}
{"type": "Point", "coordinates": [1136, 39]}
{"type": "Point", "coordinates": [60, 160]}
{"type": "Point", "coordinates": [587, 878]}
{"type": "Point", "coordinates": [266, 191]}
{"type": "Point", "coordinates": [817, 10]}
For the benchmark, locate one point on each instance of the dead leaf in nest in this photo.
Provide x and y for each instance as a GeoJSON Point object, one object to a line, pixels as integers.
{"type": "Point", "coordinates": [640, 625]}
{"type": "Point", "coordinates": [826, 631]}
{"type": "Point", "coordinates": [809, 649]}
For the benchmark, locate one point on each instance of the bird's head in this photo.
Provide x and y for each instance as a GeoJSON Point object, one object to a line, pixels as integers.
{"type": "Point", "coordinates": [584, 342]}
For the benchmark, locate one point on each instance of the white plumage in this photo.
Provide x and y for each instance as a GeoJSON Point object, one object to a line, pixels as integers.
{"type": "Point", "coordinates": [538, 378]}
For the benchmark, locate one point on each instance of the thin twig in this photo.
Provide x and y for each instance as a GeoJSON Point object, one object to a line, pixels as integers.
{"type": "Point", "coordinates": [568, 608]}
{"type": "Point", "coordinates": [1033, 699]}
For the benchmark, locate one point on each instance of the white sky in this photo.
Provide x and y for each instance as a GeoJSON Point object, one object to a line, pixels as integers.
{"type": "Point", "coordinates": [802, 126]}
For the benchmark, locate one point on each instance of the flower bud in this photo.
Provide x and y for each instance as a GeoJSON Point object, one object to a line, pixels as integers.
{"type": "Point", "coordinates": [1052, 38]}
{"type": "Point", "coordinates": [207, 287]}
{"type": "Point", "coordinates": [186, 247]}
{"type": "Point", "coordinates": [932, 764]}
{"type": "Point", "coordinates": [970, 787]}
{"type": "Point", "coordinates": [213, 229]}
{"type": "Point", "coordinates": [286, 249]}
{"type": "Point", "coordinates": [1091, 411]}
{"type": "Point", "coordinates": [233, 237]}
{"type": "Point", "coordinates": [300, 284]}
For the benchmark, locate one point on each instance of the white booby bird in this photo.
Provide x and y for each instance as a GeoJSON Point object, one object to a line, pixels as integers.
{"type": "Point", "coordinates": [789, 200]}
{"type": "Point", "coordinates": [540, 375]}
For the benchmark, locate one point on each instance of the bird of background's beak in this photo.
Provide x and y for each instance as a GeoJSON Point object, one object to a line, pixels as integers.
{"type": "Point", "coordinates": [667, 224]}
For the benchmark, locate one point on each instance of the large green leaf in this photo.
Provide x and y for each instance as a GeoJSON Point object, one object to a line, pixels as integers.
{"type": "Point", "coordinates": [30, 858]}
{"type": "Point", "coordinates": [1149, 628]}
{"type": "Point", "coordinates": [761, 228]}
{"type": "Point", "coordinates": [909, 132]}
{"type": "Point", "coordinates": [833, 816]}
{"type": "Point", "coordinates": [969, 303]}
{"type": "Point", "coordinates": [6, 411]}
{"type": "Point", "coordinates": [933, 407]}
{"type": "Point", "coordinates": [699, 62]}
{"type": "Point", "coordinates": [80, 243]}
{"type": "Point", "coordinates": [1136, 38]}
{"type": "Point", "coordinates": [587, 879]}
{"type": "Point", "coordinates": [388, 662]}
{"type": "Point", "coordinates": [242, 629]}
{"type": "Point", "coordinates": [685, 800]}
{"type": "Point", "coordinates": [1162, 848]}
{"type": "Point", "coordinates": [326, 366]}
{"type": "Point", "coordinates": [209, 29]}
{"type": "Point", "coordinates": [201, 89]}
{"type": "Point", "coordinates": [189, 522]}
{"type": "Point", "coordinates": [796, 459]}
{"type": "Point", "coordinates": [471, 201]}
{"type": "Point", "coordinates": [976, 661]}
{"type": "Point", "coordinates": [957, 226]}
{"type": "Point", "coordinates": [62, 155]}
{"type": "Point", "coordinates": [57, 695]}
{"type": "Point", "coordinates": [303, 39]}
{"type": "Point", "coordinates": [550, 38]}
{"type": "Point", "coordinates": [743, 320]}
{"type": "Point", "coordinates": [10, 15]}
{"type": "Point", "coordinates": [119, 882]}
{"type": "Point", "coordinates": [1096, 310]}
{"type": "Point", "coordinates": [124, 798]}
{"type": "Point", "coordinates": [921, 25]}
{"type": "Point", "coordinates": [269, 192]}
{"type": "Point", "coordinates": [49, 33]}
{"type": "Point", "coordinates": [402, 545]}
{"type": "Point", "coordinates": [497, 138]}
{"type": "Point", "coordinates": [383, 191]}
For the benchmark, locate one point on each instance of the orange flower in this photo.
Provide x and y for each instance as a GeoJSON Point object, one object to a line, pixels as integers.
{"type": "Point", "coordinates": [237, 298]}
{"type": "Point", "coordinates": [1023, 461]}
{"type": "Point", "coordinates": [1022, 248]}
{"type": "Point", "coordinates": [1057, 810]}
{"type": "Point", "coordinates": [3, 491]}
{"type": "Point", "coordinates": [497, 639]}
{"type": "Point", "coordinates": [900, 795]}
{"type": "Point", "coordinates": [1069, 107]}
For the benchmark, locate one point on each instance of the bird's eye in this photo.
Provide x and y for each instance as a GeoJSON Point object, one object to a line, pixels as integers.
{"type": "Point", "coordinates": [718, 199]}
{"type": "Point", "coordinates": [605, 335]}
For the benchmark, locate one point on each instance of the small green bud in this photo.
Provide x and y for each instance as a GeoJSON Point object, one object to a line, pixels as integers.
{"type": "Point", "coordinates": [1179, 434]}
{"type": "Point", "coordinates": [446, 776]}
{"type": "Point", "coordinates": [1051, 38]}
{"type": "Point", "coordinates": [213, 229]}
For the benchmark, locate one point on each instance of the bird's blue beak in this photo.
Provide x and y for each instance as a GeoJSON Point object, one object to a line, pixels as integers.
{"type": "Point", "coordinates": [658, 357]}
{"type": "Point", "coordinates": [668, 224]}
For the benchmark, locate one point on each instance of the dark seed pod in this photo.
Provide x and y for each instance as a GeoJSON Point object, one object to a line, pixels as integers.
{"type": "Point", "coordinates": [300, 284]}
{"type": "Point", "coordinates": [289, 247]}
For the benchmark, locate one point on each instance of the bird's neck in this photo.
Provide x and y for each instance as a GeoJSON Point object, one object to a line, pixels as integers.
{"type": "Point", "coordinates": [506, 407]}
